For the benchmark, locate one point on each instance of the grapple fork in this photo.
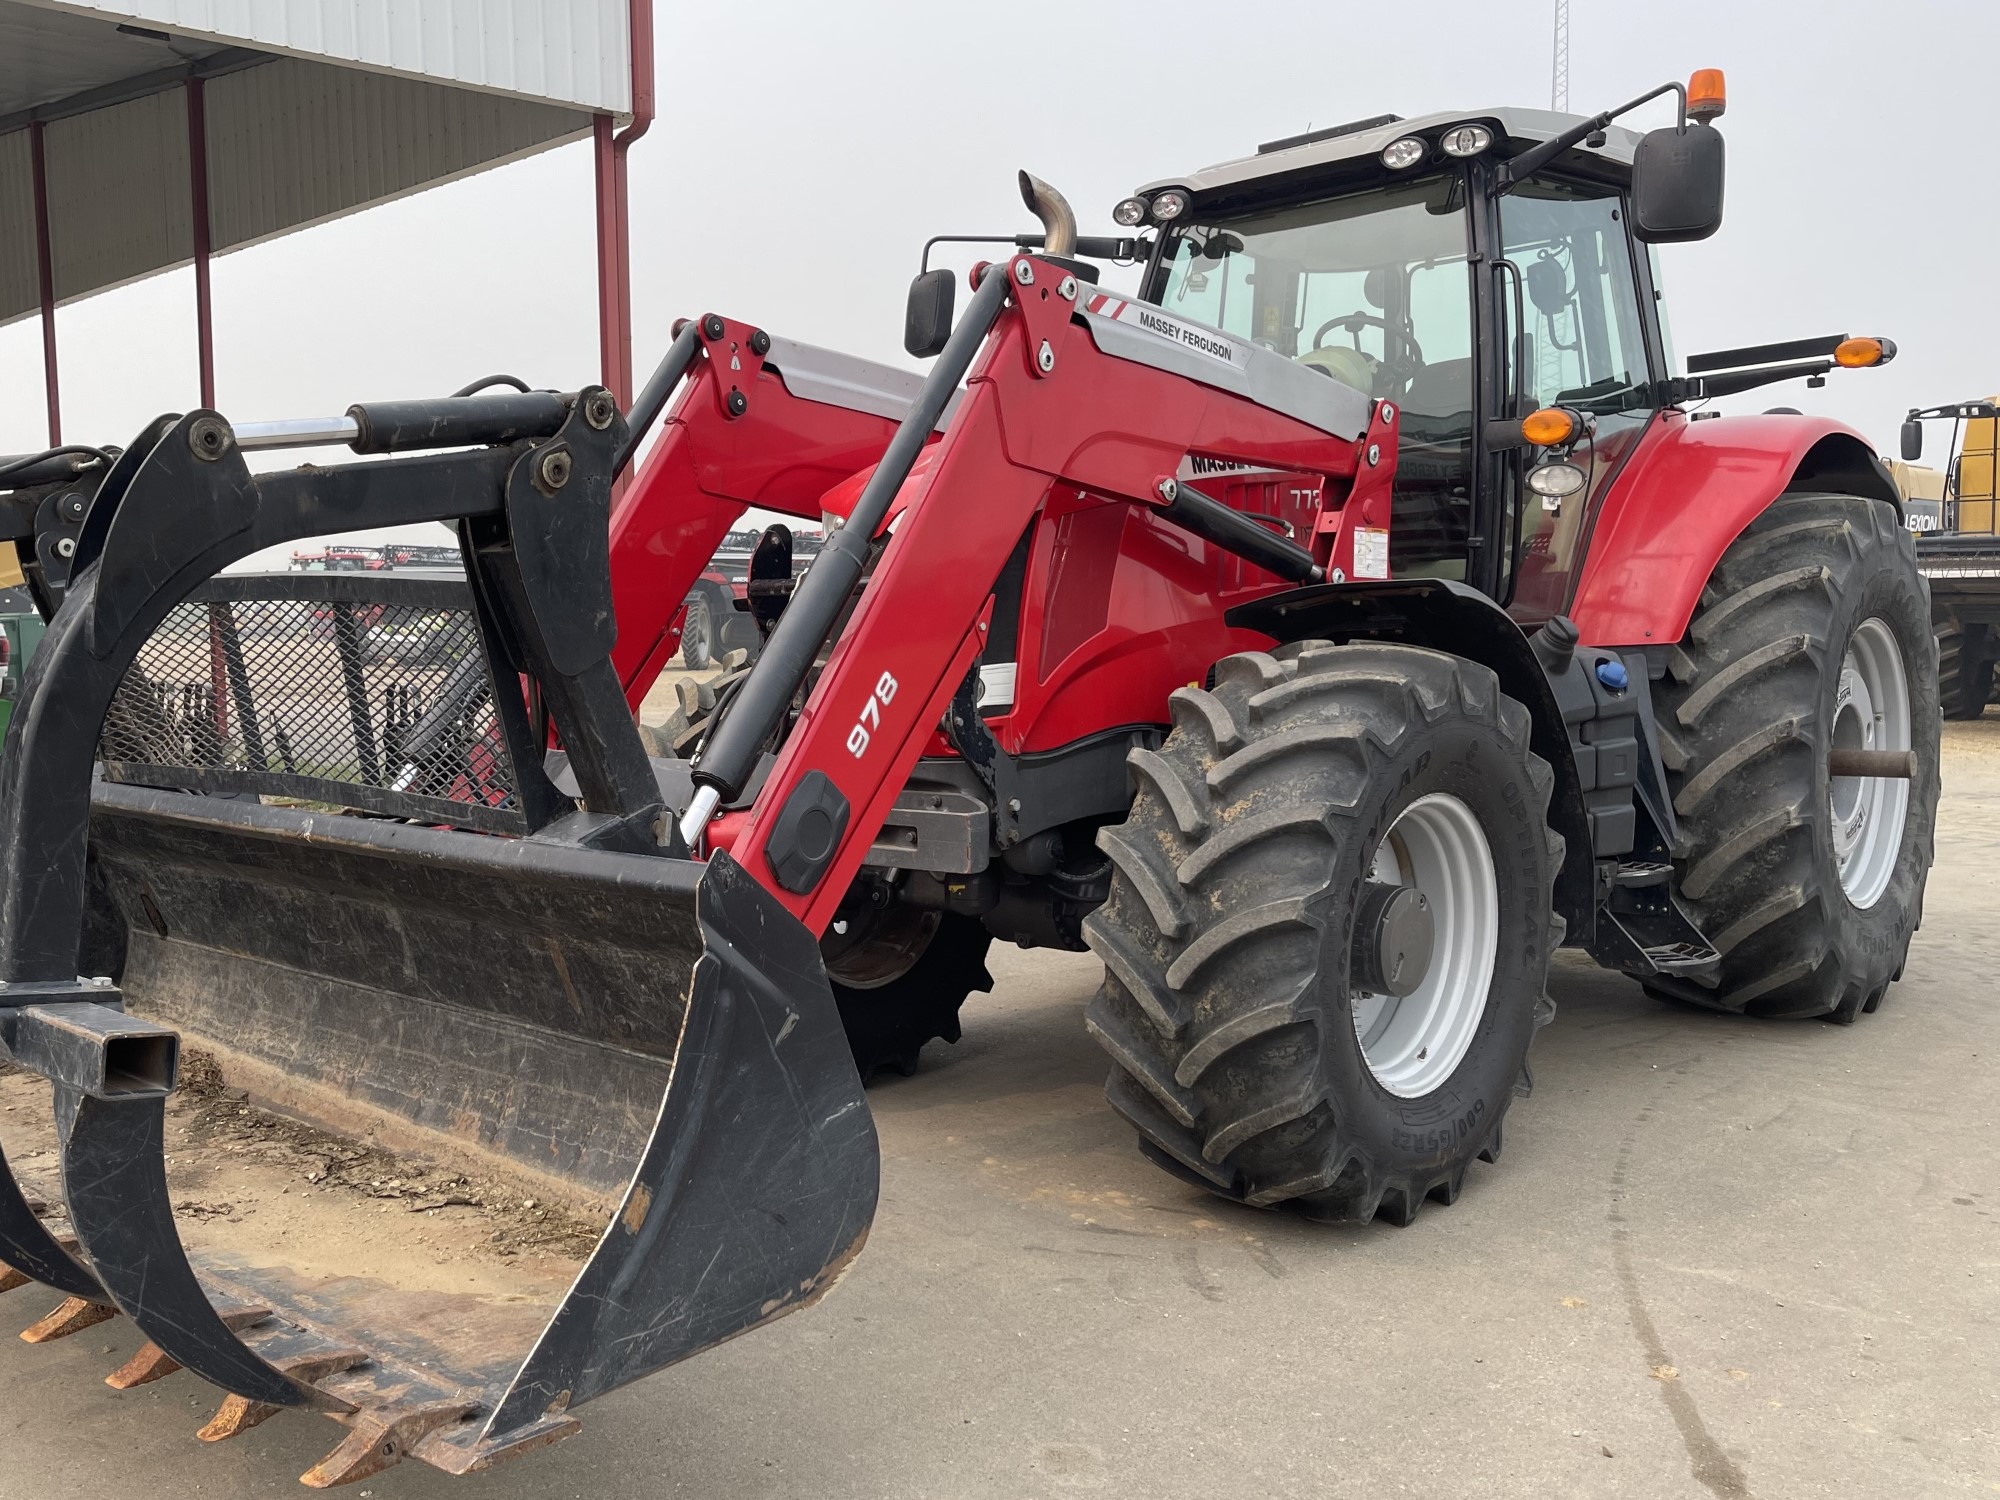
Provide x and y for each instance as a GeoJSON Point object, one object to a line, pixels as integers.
{"type": "Point", "coordinates": [575, 994]}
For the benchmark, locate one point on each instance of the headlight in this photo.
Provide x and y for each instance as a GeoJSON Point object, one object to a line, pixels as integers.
{"type": "Point", "coordinates": [1466, 140]}
{"type": "Point", "coordinates": [1399, 155]}
{"type": "Point", "coordinates": [1555, 481]}
{"type": "Point", "coordinates": [1130, 212]}
{"type": "Point", "coordinates": [1169, 205]}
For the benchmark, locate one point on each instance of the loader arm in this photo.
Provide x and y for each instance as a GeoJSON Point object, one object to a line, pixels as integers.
{"type": "Point", "coordinates": [1062, 393]}
{"type": "Point", "coordinates": [757, 421]}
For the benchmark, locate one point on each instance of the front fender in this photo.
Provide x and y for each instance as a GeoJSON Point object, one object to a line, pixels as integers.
{"type": "Point", "coordinates": [1688, 492]}
{"type": "Point", "coordinates": [1459, 620]}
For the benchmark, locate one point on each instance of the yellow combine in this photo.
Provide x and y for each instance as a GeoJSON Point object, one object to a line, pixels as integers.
{"type": "Point", "coordinates": [1955, 512]}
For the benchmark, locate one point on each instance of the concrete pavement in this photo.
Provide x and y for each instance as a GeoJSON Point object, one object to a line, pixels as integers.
{"type": "Point", "coordinates": [1718, 1258]}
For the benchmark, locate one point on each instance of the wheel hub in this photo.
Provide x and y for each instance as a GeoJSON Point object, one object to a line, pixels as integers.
{"type": "Point", "coordinates": [1871, 712]}
{"type": "Point", "coordinates": [1393, 939]}
{"type": "Point", "coordinates": [1427, 932]}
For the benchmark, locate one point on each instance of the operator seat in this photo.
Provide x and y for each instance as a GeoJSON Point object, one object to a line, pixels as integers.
{"type": "Point", "coordinates": [1350, 367]}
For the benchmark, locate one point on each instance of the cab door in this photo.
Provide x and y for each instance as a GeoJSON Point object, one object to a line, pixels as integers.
{"type": "Point", "coordinates": [1588, 345]}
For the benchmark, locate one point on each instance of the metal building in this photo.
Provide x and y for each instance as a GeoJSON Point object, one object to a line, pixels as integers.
{"type": "Point", "coordinates": [138, 136]}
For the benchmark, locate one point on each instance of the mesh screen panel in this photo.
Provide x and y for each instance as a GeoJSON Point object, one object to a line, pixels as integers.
{"type": "Point", "coordinates": [371, 693]}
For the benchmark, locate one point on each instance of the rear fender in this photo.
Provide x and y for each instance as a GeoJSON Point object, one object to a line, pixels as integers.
{"type": "Point", "coordinates": [1687, 494]}
{"type": "Point", "coordinates": [1458, 619]}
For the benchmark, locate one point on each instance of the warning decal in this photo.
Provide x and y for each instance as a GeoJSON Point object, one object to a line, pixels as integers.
{"type": "Point", "coordinates": [1371, 552]}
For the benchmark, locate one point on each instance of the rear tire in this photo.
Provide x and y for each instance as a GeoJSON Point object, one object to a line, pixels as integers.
{"type": "Point", "coordinates": [698, 634]}
{"type": "Point", "coordinates": [1754, 697]}
{"type": "Point", "coordinates": [1228, 937]}
{"type": "Point", "coordinates": [1965, 673]}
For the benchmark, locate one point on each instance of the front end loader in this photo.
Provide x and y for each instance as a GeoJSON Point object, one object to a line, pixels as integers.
{"type": "Point", "coordinates": [1321, 636]}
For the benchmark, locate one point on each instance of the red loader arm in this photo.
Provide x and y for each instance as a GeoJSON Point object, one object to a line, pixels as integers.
{"type": "Point", "coordinates": [1046, 406]}
{"type": "Point", "coordinates": [741, 433]}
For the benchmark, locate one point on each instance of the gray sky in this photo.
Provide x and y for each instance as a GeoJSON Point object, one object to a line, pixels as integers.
{"type": "Point", "coordinates": [805, 150]}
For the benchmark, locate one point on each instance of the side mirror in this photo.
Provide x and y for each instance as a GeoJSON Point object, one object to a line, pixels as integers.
{"type": "Point", "coordinates": [1548, 287]}
{"type": "Point", "coordinates": [1913, 442]}
{"type": "Point", "coordinates": [927, 318]}
{"type": "Point", "coordinates": [1677, 185]}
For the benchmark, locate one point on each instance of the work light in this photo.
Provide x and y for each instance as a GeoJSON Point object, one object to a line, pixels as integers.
{"type": "Point", "coordinates": [1399, 155]}
{"type": "Point", "coordinates": [1466, 140]}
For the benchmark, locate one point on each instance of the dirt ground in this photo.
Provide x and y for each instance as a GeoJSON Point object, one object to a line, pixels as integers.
{"type": "Point", "coordinates": [272, 1190]}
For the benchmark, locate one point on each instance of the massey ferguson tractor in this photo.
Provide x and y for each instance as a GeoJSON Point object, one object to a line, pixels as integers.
{"type": "Point", "coordinates": [1322, 635]}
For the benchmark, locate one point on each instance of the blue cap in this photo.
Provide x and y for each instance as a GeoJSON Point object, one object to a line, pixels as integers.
{"type": "Point", "coordinates": [1612, 674]}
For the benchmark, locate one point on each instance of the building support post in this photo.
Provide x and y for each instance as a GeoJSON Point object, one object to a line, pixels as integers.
{"type": "Point", "coordinates": [614, 264]}
{"type": "Point", "coordinates": [45, 275]}
{"type": "Point", "coordinates": [614, 231]}
{"type": "Point", "coordinates": [204, 311]}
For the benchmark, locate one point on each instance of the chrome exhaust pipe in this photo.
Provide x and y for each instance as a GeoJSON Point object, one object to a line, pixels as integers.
{"type": "Point", "coordinates": [1052, 208]}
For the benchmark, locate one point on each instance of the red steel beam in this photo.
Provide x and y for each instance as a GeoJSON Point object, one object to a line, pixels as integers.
{"type": "Point", "coordinates": [46, 279]}
{"type": "Point", "coordinates": [204, 312]}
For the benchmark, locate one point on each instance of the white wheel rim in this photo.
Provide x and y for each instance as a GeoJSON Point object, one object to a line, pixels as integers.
{"type": "Point", "coordinates": [1871, 711]}
{"type": "Point", "coordinates": [1414, 1044]}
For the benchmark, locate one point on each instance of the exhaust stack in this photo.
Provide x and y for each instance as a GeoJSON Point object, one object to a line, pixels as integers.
{"type": "Point", "coordinates": [1052, 208]}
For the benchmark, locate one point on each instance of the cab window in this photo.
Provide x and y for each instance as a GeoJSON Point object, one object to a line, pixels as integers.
{"type": "Point", "coordinates": [1371, 289]}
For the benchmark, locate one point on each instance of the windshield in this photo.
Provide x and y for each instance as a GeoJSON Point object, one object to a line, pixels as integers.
{"type": "Point", "coordinates": [1370, 288]}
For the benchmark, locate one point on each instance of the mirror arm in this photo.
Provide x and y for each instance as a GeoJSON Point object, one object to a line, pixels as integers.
{"type": "Point", "coordinates": [1518, 169]}
{"type": "Point", "coordinates": [1093, 246]}
{"type": "Point", "coordinates": [1734, 382]}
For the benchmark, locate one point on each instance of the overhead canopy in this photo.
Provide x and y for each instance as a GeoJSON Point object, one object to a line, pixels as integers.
{"type": "Point", "coordinates": [313, 109]}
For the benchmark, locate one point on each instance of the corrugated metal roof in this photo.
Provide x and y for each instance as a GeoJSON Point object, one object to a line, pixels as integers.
{"type": "Point", "coordinates": [17, 225]}
{"type": "Point", "coordinates": [118, 194]}
{"type": "Point", "coordinates": [290, 144]}
{"type": "Point", "coordinates": [571, 52]}
{"type": "Point", "coordinates": [46, 55]}
{"type": "Point", "coordinates": [314, 108]}
{"type": "Point", "coordinates": [294, 143]}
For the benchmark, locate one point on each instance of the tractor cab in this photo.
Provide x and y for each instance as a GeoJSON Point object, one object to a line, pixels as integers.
{"type": "Point", "coordinates": [1472, 269]}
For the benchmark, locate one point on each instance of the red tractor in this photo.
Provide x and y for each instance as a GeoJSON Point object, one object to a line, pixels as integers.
{"type": "Point", "coordinates": [1322, 636]}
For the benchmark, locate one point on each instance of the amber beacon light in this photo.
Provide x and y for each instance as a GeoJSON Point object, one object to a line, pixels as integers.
{"type": "Point", "coordinates": [1707, 97]}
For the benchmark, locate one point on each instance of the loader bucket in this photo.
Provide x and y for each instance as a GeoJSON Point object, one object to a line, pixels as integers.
{"type": "Point", "coordinates": [322, 825]}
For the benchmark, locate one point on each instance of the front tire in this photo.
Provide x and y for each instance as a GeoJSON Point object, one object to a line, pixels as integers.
{"type": "Point", "coordinates": [1814, 632]}
{"type": "Point", "coordinates": [1287, 799]}
{"type": "Point", "coordinates": [899, 976]}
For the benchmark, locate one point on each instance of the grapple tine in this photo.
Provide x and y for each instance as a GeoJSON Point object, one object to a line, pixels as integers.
{"type": "Point", "coordinates": [379, 1439]}
{"type": "Point", "coordinates": [112, 1074]}
{"type": "Point", "coordinates": [30, 1253]}
{"type": "Point", "coordinates": [115, 1176]}
{"type": "Point", "coordinates": [73, 1316]}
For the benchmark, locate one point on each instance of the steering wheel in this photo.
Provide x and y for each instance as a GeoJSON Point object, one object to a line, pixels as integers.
{"type": "Point", "coordinates": [1401, 356]}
